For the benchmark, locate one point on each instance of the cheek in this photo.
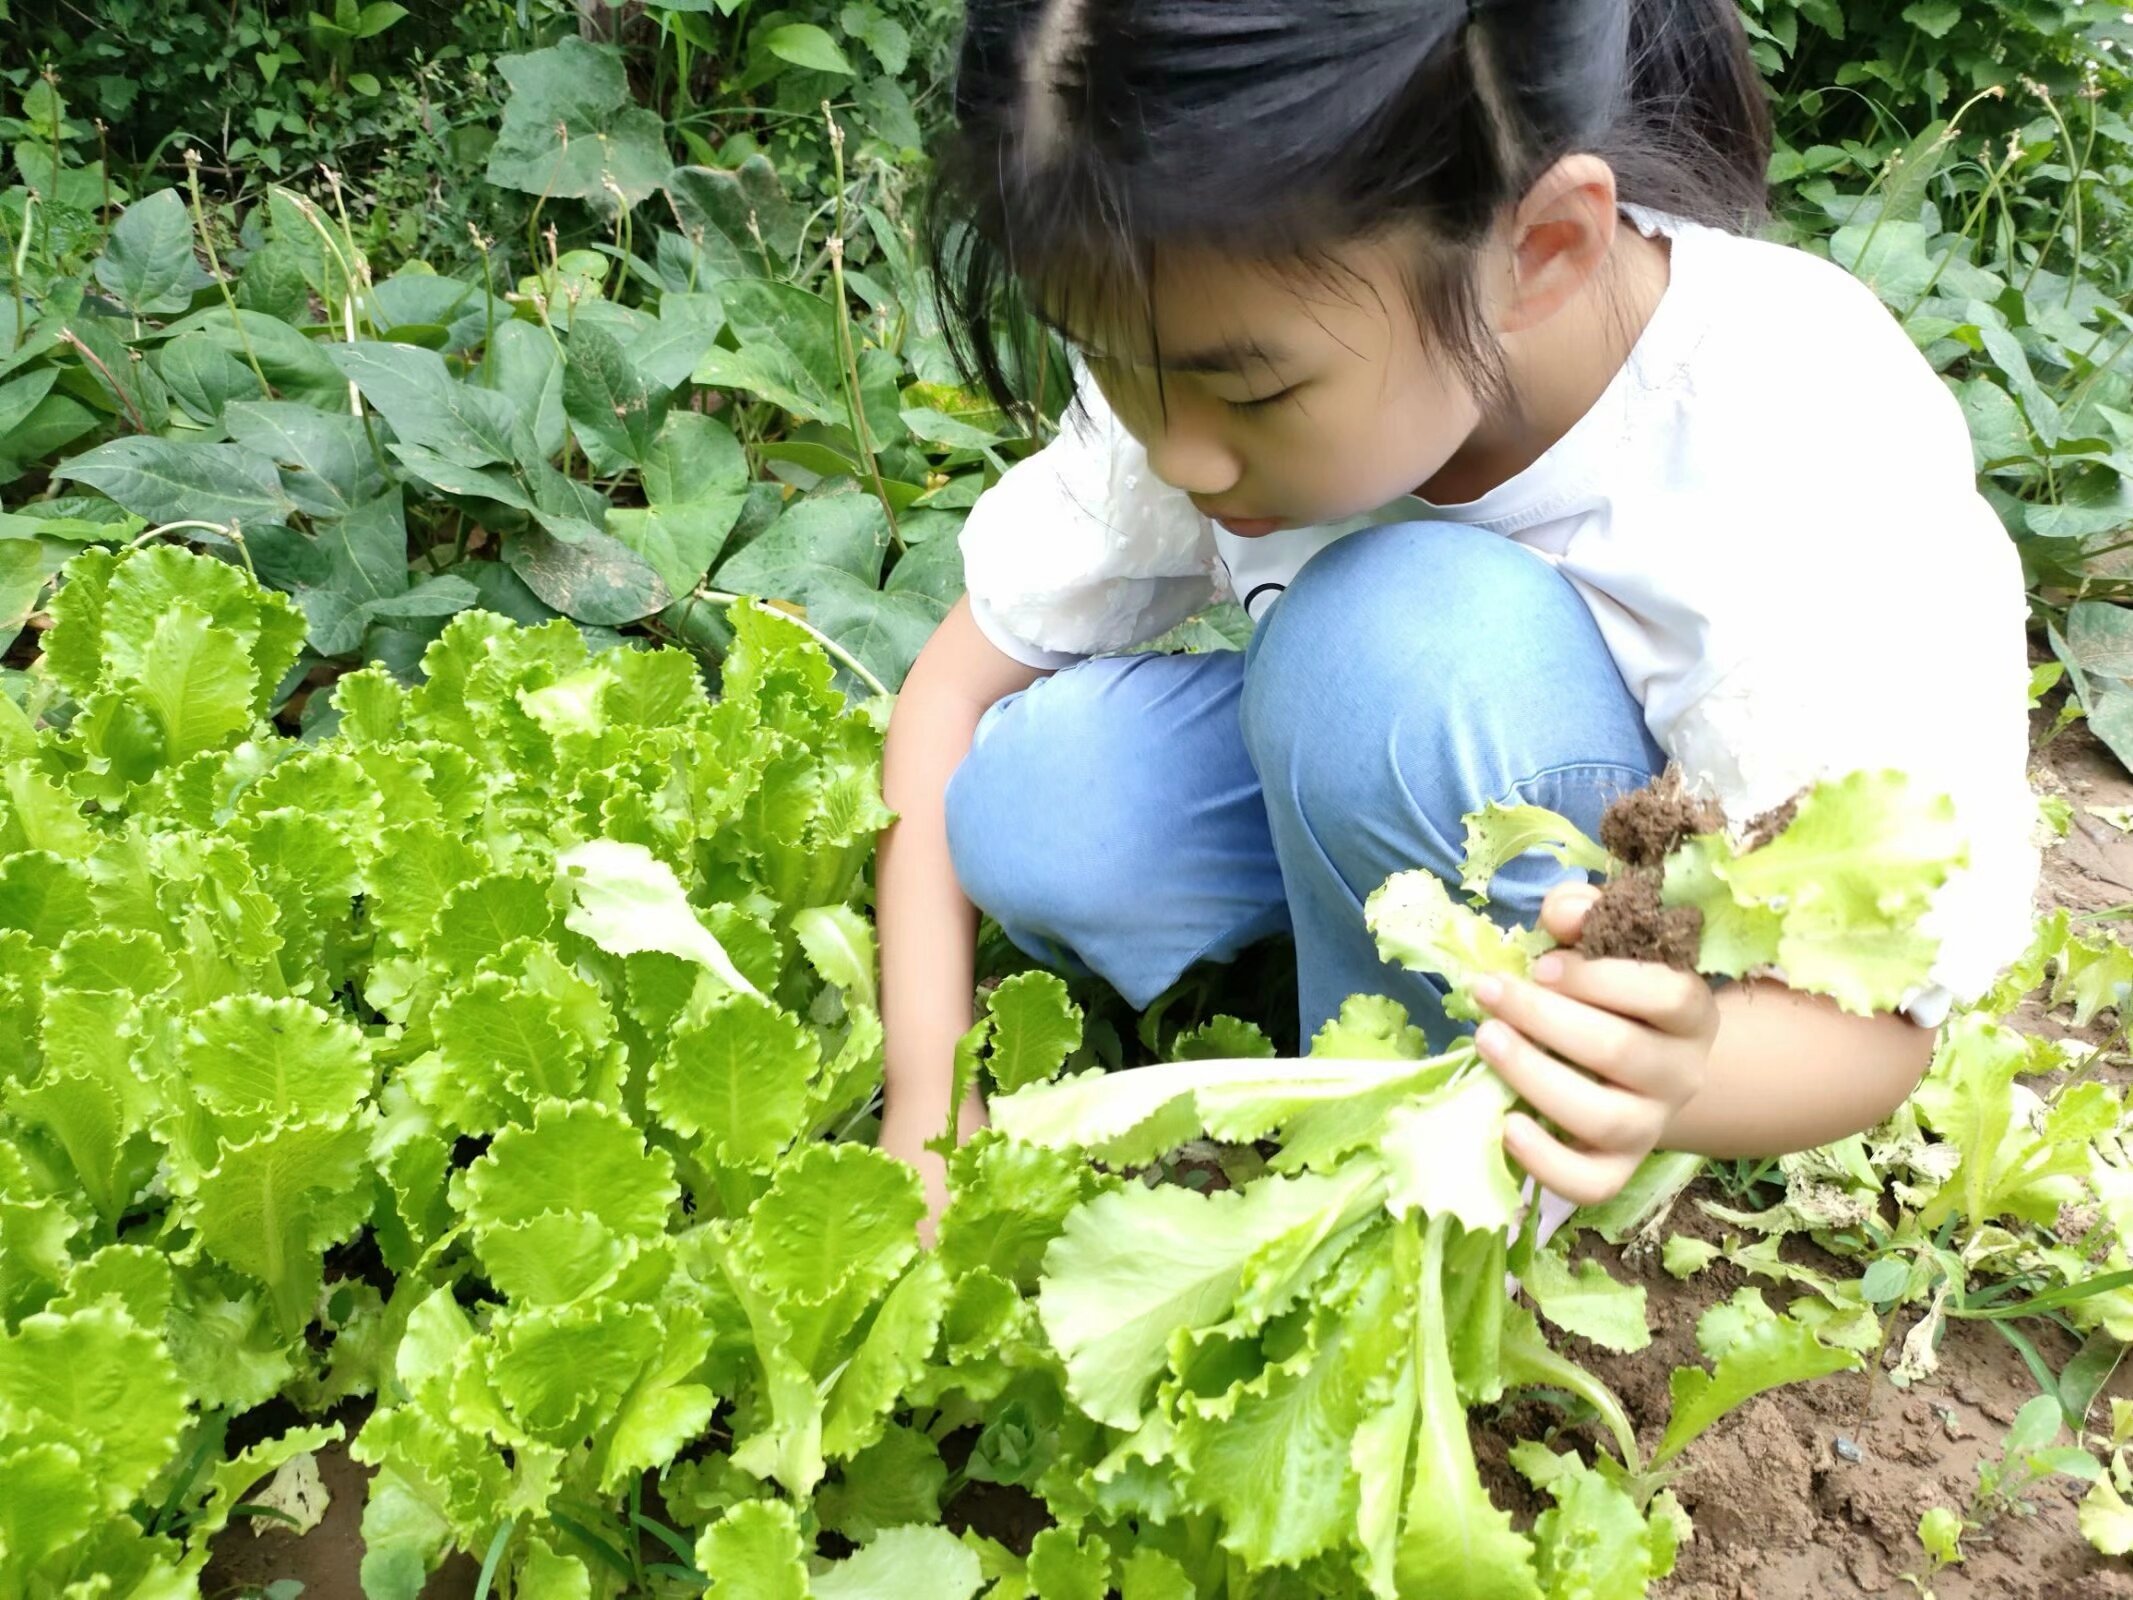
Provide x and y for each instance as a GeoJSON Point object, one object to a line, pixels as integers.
{"type": "Point", "coordinates": [1381, 442]}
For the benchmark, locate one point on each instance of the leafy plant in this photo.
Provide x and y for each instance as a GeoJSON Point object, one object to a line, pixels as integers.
{"type": "Point", "coordinates": [486, 1057]}
{"type": "Point", "coordinates": [1290, 1362]}
{"type": "Point", "coordinates": [585, 445]}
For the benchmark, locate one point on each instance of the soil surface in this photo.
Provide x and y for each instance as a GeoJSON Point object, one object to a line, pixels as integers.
{"type": "Point", "coordinates": [1781, 1512]}
{"type": "Point", "coordinates": [1810, 1493]}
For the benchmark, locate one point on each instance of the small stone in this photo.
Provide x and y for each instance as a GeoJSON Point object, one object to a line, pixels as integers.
{"type": "Point", "coordinates": [1848, 1451]}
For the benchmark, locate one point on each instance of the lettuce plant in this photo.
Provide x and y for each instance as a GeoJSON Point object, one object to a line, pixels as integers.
{"type": "Point", "coordinates": [1292, 1361]}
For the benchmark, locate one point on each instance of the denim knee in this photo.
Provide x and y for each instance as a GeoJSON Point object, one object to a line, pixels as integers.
{"type": "Point", "coordinates": [1416, 671]}
{"type": "Point", "coordinates": [1032, 812]}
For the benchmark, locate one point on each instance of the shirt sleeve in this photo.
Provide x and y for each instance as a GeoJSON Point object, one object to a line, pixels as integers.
{"type": "Point", "coordinates": [1873, 656]}
{"type": "Point", "coordinates": [1080, 549]}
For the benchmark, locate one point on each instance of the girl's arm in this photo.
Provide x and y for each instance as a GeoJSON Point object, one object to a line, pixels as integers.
{"type": "Point", "coordinates": [928, 928]}
{"type": "Point", "coordinates": [1791, 1071]}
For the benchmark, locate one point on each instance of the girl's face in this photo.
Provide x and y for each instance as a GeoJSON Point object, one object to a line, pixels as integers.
{"type": "Point", "coordinates": [1284, 400]}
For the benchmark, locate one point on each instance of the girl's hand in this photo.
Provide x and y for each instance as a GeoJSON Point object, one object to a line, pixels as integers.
{"type": "Point", "coordinates": [1608, 1051]}
{"type": "Point", "coordinates": [904, 1134]}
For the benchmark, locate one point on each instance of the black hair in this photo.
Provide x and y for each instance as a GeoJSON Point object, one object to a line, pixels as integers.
{"type": "Point", "coordinates": [1091, 134]}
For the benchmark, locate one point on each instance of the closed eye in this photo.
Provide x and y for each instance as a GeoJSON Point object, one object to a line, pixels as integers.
{"type": "Point", "coordinates": [1265, 401]}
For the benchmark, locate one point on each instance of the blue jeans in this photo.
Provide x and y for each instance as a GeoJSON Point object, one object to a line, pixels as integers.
{"type": "Point", "coordinates": [1133, 815]}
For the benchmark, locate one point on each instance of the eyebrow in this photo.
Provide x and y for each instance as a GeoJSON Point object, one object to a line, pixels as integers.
{"type": "Point", "coordinates": [1235, 356]}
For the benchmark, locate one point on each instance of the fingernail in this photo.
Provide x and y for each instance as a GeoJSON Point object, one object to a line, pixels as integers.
{"type": "Point", "coordinates": [1488, 990]}
{"type": "Point", "coordinates": [1491, 1037]}
{"type": "Point", "coordinates": [1548, 969]}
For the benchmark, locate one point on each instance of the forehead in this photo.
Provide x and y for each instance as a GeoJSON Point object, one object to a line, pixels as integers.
{"type": "Point", "coordinates": [1208, 310]}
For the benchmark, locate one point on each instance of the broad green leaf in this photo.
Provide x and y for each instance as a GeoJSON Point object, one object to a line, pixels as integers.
{"type": "Point", "coordinates": [2101, 637]}
{"type": "Point", "coordinates": [1135, 1266]}
{"type": "Point", "coordinates": [1445, 1158]}
{"type": "Point", "coordinates": [204, 378]}
{"type": "Point", "coordinates": [735, 1077]}
{"type": "Point", "coordinates": [1851, 875]}
{"type": "Point", "coordinates": [147, 263]}
{"type": "Point", "coordinates": [753, 1552]}
{"type": "Point", "coordinates": [96, 1382]}
{"type": "Point", "coordinates": [1588, 1301]}
{"type": "Point", "coordinates": [2105, 1518]}
{"type": "Point", "coordinates": [166, 481]}
{"type": "Point", "coordinates": [569, 130]}
{"type": "Point", "coordinates": [625, 900]}
{"type": "Point", "coordinates": [1035, 1028]}
{"type": "Point", "coordinates": [272, 1205]}
{"type": "Point", "coordinates": [663, 1410]}
{"type": "Point", "coordinates": [888, 1361]}
{"type": "Point", "coordinates": [904, 1564]}
{"type": "Point", "coordinates": [616, 413]}
{"type": "Point", "coordinates": [1497, 835]}
{"type": "Point", "coordinates": [833, 1214]}
{"type": "Point", "coordinates": [1454, 1542]}
{"type": "Point", "coordinates": [522, 361]}
{"type": "Point", "coordinates": [695, 480]}
{"type": "Point", "coordinates": [254, 1061]}
{"type": "Point", "coordinates": [596, 578]}
{"type": "Point", "coordinates": [1277, 1468]}
{"type": "Point", "coordinates": [1418, 924]}
{"type": "Point", "coordinates": [740, 222]}
{"type": "Point", "coordinates": [578, 1158]}
{"type": "Point", "coordinates": [1593, 1543]}
{"type": "Point", "coordinates": [840, 946]}
{"type": "Point", "coordinates": [427, 407]}
{"type": "Point", "coordinates": [51, 1501]}
{"type": "Point", "coordinates": [805, 45]}
{"type": "Point", "coordinates": [893, 1482]}
{"type": "Point", "coordinates": [789, 353]}
{"type": "Point", "coordinates": [197, 683]}
{"type": "Point", "coordinates": [561, 1371]}
{"type": "Point", "coordinates": [327, 467]}
{"type": "Point", "coordinates": [1764, 1356]}
{"type": "Point", "coordinates": [885, 629]}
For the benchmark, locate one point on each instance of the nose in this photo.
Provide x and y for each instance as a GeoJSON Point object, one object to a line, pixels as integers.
{"type": "Point", "coordinates": [1191, 457]}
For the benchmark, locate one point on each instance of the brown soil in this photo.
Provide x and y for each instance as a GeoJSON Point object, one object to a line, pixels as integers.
{"type": "Point", "coordinates": [1628, 923]}
{"type": "Point", "coordinates": [1782, 1509]}
{"type": "Point", "coordinates": [1780, 1513]}
{"type": "Point", "coordinates": [325, 1560]}
{"type": "Point", "coordinates": [1645, 826]}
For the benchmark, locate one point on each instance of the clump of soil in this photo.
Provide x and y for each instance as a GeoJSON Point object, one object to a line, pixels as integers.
{"type": "Point", "coordinates": [1629, 923]}
{"type": "Point", "coordinates": [1643, 828]}
{"type": "Point", "coordinates": [1770, 824]}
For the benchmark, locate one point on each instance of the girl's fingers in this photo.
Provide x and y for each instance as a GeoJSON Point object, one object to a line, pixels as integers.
{"type": "Point", "coordinates": [1610, 1046]}
{"type": "Point", "coordinates": [1562, 915]}
{"type": "Point", "coordinates": [1584, 1177]}
{"type": "Point", "coordinates": [1596, 1114]}
{"type": "Point", "coordinates": [1662, 997]}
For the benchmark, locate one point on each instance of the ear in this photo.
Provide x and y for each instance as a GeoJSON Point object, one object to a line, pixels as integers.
{"type": "Point", "coordinates": [1560, 237]}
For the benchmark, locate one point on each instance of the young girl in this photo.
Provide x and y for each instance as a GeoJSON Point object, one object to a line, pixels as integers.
{"type": "Point", "coordinates": [1431, 332]}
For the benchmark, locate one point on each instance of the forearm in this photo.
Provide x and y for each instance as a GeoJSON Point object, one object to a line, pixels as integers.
{"type": "Point", "coordinates": [928, 927]}
{"type": "Point", "coordinates": [1791, 1072]}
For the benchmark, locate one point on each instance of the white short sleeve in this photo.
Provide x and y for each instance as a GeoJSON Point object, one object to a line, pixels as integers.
{"type": "Point", "coordinates": [1934, 684]}
{"type": "Point", "coordinates": [1081, 549]}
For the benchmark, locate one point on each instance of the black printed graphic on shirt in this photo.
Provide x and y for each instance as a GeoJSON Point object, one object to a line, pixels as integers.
{"type": "Point", "coordinates": [1271, 590]}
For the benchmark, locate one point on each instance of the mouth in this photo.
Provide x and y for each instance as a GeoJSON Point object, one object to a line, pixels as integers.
{"type": "Point", "coordinates": [1252, 527]}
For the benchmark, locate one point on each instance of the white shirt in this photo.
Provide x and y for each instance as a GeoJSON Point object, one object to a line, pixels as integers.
{"type": "Point", "coordinates": [1772, 513]}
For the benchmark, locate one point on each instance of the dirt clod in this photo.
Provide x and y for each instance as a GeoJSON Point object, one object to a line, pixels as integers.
{"type": "Point", "coordinates": [1628, 923]}
{"type": "Point", "coordinates": [1770, 824]}
{"type": "Point", "coordinates": [1643, 828]}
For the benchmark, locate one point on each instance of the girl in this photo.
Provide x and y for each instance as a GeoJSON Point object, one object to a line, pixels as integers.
{"type": "Point", "coordinates": [1431, 331]}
